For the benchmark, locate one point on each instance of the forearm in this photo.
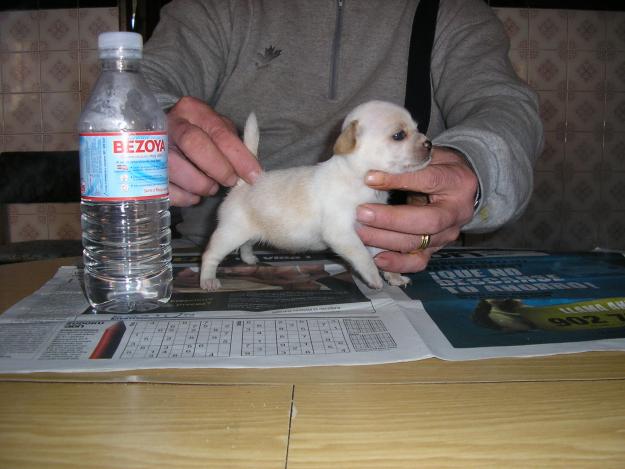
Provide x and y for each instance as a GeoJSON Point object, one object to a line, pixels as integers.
{"type": "Point", "coordinates": [491, 116]}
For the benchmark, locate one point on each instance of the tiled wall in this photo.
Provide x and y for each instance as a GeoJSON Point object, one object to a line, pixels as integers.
{"type": "Point", "coordinates": [28, 222]}
{"type": "Point", "coordinates": [574, 59]}
{"type": "Point", "coordinates": [48, 64]}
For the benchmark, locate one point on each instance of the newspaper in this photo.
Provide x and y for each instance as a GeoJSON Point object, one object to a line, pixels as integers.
{"type": "Point", "coordinates": [287, 311]}
{"type": "Point", "coordinates": [308, 310]}
{"type": "Point", "coordinates": [502, 303]}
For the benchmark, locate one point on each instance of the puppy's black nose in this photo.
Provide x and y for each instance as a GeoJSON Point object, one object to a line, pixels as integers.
{"type": "Point", "coordinates": [427, 144]}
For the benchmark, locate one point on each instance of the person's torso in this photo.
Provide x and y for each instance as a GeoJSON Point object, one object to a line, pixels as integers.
{"type": "Point", "coordinates": [301, 68]}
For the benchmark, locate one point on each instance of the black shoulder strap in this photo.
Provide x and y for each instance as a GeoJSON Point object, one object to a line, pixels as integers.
{"type": "Point", "coordinates": [418, 96]}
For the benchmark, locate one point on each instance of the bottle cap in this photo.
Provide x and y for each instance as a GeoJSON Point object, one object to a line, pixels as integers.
{"type": "Point", "coordinates": [120, 44]}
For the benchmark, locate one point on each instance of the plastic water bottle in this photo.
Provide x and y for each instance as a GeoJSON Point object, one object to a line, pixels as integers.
{"type": "Point", "coordinates": [124, 184]}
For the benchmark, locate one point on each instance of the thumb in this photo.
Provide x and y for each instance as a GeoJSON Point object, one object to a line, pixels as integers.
{"type": "Point", "coordinates": [433, 179]}
{"type": "Point", "coordinates": [386, 181]}
{"type": "Point", "coordinates": [376, 179]}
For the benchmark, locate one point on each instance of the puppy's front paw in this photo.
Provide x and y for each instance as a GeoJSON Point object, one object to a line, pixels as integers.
{"type": "Point", "coordinates": [395, 279]}
{"type": "Point", "coordinates": [375, 282]}
{"type": "Point", "coordinates": [210, 284]}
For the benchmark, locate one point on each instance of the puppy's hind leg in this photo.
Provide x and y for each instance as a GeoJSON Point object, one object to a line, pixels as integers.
{"type": "Point", "coordinates": [247, 253]}
{"type": "Point", "coordinates": [222, 243]}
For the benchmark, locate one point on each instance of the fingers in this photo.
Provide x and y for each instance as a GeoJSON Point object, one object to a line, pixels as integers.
{"type": "Point", "coordinates": [236, 153]}
{"type": "Point", "coordinates": [178, 197]}
{"type": "Point", "coordinates": [230, 154]}
{"type": "Point", "coordinates": [448, 183]}
{"type": "Point", "coordinates": [430, 219]}
{"type": "Point", "coordinates": [429, 180]}
{"type": "Point", "coordinates": [199, 149]}
{"type": "Point", "coordinates": [229, 124]}
{"type": "Point", "coordinates": [397, 262]}
{"type": "Point", "coordinates": [448, 177]}
{"type": "Point", "coordinates": [204, 152]}
{"type": "Point", "coordinates": [399, 231]}
{"type": "Point", "coordinates": [434, 179]}
{"type": "Point", "coordinates": [184, 173]}
{"type": "Point", "coordinates": [404, 242]}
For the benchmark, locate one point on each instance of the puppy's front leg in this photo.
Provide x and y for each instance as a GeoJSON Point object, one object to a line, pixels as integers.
{"type": "Point", "coordinates": [392, 278]}
{"type": "Point", "coordinates": [395, 279]}
{"type": "Point", "coordinates": [348, 245]}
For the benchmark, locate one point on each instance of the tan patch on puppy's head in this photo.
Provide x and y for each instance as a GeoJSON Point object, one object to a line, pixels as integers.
{"type": "Point", "coordinates": [346, 143]}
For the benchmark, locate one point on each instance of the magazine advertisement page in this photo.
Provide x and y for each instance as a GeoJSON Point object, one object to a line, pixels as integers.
{"type": "Point", "coordinates": [480, 304]}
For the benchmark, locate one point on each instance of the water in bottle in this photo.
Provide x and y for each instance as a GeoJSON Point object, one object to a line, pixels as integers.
{"type": "Point", "coordinates": [124, 184]}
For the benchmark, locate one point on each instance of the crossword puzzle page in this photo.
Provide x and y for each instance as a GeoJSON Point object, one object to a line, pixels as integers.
{"type": "Point", "coordinates": [254, 337]}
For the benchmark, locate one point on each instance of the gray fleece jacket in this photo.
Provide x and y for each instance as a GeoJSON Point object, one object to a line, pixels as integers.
{"type": "Point", "coordinates": [302, 65]}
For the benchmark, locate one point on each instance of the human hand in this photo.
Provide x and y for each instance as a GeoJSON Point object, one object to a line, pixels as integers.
{"type": "Point", "coordinates": [204, 153]}
{"type": "Point", "coordinates": [450, 185]}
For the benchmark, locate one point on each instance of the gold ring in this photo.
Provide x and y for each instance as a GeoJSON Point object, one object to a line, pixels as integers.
{"type": "Point", "coordinates": [425, 243]}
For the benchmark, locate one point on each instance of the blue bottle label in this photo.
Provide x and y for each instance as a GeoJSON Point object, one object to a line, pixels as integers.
{"type": "Point", "coordinates": [119, 166]}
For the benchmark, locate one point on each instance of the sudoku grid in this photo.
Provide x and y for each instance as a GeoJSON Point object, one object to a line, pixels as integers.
{"type": "Point", "coordinates": [198, 338]}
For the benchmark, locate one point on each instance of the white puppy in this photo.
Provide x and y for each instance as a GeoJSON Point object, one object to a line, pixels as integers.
{"type": "Point", "coordinates": [313, 208]}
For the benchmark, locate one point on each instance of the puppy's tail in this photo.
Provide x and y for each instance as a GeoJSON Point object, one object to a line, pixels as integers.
{"type": "Point", "coordinates": [251, 134]}
{"type": "Point", "coordinates": [251, 137]}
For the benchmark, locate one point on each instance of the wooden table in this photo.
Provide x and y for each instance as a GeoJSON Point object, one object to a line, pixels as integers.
{"type": "Point", "coordinates": [563, 411]}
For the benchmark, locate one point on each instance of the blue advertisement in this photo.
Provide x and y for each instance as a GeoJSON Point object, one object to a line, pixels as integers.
{"type": "Point", "coordinates": [491, 298]}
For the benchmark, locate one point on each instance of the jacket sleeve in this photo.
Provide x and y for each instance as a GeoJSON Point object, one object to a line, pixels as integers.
{"type": "Point", "coordinates": [490, 115]}
{"type": "Point", "coordinates": [187, 53]}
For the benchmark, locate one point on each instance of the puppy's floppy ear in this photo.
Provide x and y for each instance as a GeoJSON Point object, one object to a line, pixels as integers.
{"type": "Point", "coordinates": [347, 140]}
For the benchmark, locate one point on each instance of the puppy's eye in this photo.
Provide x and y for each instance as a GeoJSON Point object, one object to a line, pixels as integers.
{"type": "Point", "coordinates": [399, 136]}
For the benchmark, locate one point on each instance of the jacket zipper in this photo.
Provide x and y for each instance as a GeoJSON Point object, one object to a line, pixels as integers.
{"type": "Point", "coordinates": [336, 47]}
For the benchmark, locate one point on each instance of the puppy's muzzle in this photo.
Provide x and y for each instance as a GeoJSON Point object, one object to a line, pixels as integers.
{"type": "Point", "coordinates": [424, 154]}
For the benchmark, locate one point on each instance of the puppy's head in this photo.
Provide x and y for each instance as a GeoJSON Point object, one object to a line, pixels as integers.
{"type": "Point", "coordinates": [382, 135]}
